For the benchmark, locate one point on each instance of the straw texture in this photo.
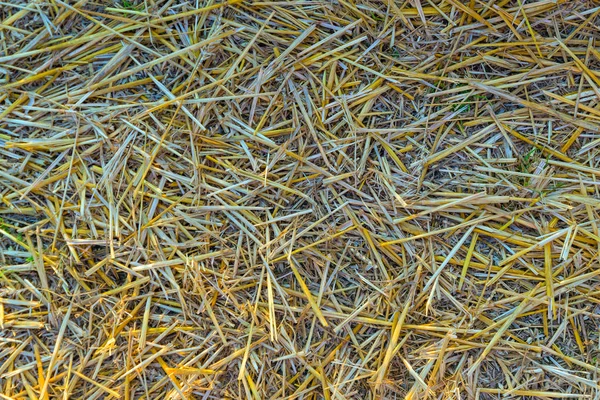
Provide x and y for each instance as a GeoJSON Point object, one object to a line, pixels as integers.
{"type": "Point", "coordinates": [343, 199]}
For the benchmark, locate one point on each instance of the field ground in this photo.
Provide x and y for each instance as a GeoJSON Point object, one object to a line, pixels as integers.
{"type": "Point", "coordinates": [261, 199]}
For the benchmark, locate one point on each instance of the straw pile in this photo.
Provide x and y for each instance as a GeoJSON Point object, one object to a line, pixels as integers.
{"type": "Point", "coordinates": [349, 199]}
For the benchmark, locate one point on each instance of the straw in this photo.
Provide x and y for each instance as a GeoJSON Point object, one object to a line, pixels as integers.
{"type": "Point", "coordinates": [264, 199]}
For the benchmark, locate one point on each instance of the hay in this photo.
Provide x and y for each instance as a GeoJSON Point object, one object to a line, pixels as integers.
{"type": "Point", "coordinates": [344, 199]}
